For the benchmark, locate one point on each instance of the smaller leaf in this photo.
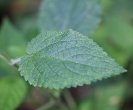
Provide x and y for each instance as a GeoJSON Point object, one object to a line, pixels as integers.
{"type": "Point", "coordinates": [115, 36]}
{"type": "Point", "coordinates": [109, 97]}
{"type": "Point", "coordinates": [12, 41]}
{"type": "Point", "coordinates": [80, 15]}
{"type": "Point", "coordinates": [6, 69]}
{"type": "Point", "coordinates": [86, 104]}
{"type": "Point", "coordinates": [121, 33]}
{"type": "Point", "coordinates": [65, 59]}
{"type": "Point", "coordinates": [12, 92]}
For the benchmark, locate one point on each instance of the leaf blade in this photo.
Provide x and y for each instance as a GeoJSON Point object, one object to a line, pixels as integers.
{"type": "Point", "coordinates": [66, 59]}
{"type": "Point", "coordinates": [12, 92]}
{"type": "Point", "coordinates": [59, 15]}
{"type": "Point", "coordinates": [11, 40]}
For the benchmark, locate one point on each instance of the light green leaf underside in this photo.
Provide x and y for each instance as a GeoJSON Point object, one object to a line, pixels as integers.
{"type": "Point", "coordinates": [12, 92]}
{"type": "Point", "coordinates": [80, 15]}
{"type": "Point", "coordinates": [68, 59]}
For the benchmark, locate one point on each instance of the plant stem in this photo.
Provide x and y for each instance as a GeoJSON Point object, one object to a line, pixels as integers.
{"type": "Point", "coordinates": [70, 101]}
{"type": "Point", "coordinates": [47, 106]}
{"type": "Point", "coordinates": [63, 106]}
{"type": "Point", "coordinates": [59, 102]}
{"type": "Point", "coordinates": [5, 59]}
{"type": "Point", "coordinates": [15, 61]}
{"type": "Point", "coordinates": [10, 62]}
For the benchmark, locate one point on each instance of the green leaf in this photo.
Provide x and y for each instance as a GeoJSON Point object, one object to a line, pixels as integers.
{"type": "Point", "coordinates": [12, 92]}
{"type": "Point", "coordinates": [115, 36]}
{"type": "Point", "coordinates": [109, 97]}
{"type": "Point", "coordinates": [121, 33]}
{"type": "Point", "coordinates": [6, 69]}
{"type": "Point", "coordinates": [11, 40]}
{"type": "Point", "coordinates": [86, 104]}
{"type": "Point", "coordinates": [58, 60]}
{"type": "Point", "coordinates": [80, 15]}
{"type": "Point", "coordinates": [122, 8]}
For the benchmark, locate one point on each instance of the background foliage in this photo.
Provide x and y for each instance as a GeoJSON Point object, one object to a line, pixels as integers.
{"type": "Point", "coordinates": [19, 24]}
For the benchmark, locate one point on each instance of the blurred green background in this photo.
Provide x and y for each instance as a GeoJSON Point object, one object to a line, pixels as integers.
{"type": "Point", "coordinates": [18, 25]}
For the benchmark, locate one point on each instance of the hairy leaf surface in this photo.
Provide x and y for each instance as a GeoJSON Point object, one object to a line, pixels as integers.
{"type": "Point", "coordinates": [80, 15]}
{"type": "Point", "coordinates": [65, 59]}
